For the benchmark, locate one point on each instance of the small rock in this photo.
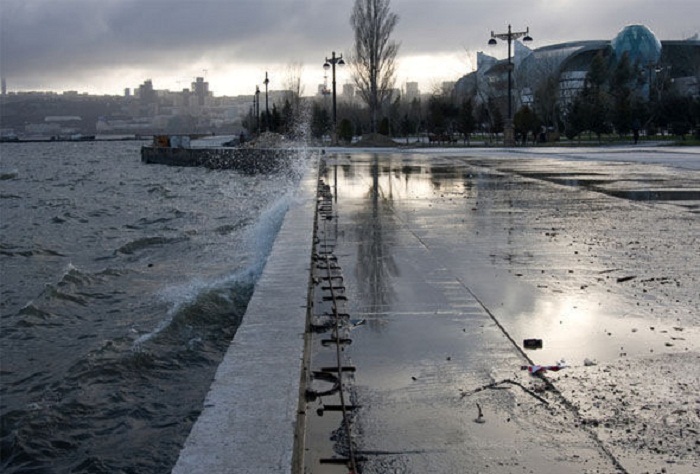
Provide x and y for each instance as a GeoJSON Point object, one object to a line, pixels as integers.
{"type": "Point", "coordinates": [480, 416]}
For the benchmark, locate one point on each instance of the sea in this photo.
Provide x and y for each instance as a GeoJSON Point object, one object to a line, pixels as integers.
{"type": "Point", "coordinates": [122, 286]}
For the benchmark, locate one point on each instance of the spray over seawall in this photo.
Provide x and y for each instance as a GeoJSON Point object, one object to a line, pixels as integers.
{"type": "Point", "coordinates": [198, 299]}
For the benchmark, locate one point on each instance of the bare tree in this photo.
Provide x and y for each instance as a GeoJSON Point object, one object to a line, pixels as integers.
{"type": "Point", "coordinates": [295, 113]}
{"type": "Point", "coordinates": [546, 90]}
{"type": "Point", "coordinates": [373, 59]}
{"type": "Point", "coordinates": [292, 83]}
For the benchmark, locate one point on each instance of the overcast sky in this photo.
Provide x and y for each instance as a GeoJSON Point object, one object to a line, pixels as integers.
{"type": "Point", "coordinates": [104, 46]}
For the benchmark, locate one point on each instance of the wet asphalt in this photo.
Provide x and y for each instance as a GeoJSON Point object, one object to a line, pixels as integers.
{"type": "Point", "coordinates": [442, 263]}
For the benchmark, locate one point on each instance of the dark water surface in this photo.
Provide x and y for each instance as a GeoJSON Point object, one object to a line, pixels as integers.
{"type": "Point", "coordinates": [122, 286]}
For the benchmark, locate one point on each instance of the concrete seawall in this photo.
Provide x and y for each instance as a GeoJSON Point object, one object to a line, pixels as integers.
{"type": "Point", "coordinates": [246, 160]}
{"type": "Point", "coordinates": [249, 418]}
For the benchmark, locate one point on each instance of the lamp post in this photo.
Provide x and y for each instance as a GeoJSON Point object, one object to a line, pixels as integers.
{"type": "Point", "coordinates": [267, 110]}
{"type": "Point", "coordinates": [256, 108]}
{"type": "Point", "coordinates": [331, 63]}
{"type": "Point", "coordinates": [654, 69]}
{"type": "Point", "coordinates": [509, 131]}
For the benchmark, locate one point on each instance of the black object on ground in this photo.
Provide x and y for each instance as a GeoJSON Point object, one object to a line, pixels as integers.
{"type": "Point", "coordinates": [532, 343]}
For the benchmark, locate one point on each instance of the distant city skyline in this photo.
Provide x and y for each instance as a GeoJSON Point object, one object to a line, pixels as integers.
{"type": "Point", "coordinates": [59, 45]}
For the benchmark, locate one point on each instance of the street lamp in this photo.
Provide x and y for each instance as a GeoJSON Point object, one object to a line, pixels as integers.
{"type": "Point", "coordinates": [267, 110]}
{"type": "Point", "coordinates": [653, 71]}
{"type": "Point", "coordinates": [256, 108]}
{"type": "Point", "coordinates": [509, 132]}
{"type": "Point", "coordinates": [330, 63]}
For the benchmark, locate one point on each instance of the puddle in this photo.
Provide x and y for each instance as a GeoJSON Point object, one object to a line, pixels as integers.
{"type": "Point", "coordinates": [655, 194]}
{"type": "Point", "coordinates": [650, 190]}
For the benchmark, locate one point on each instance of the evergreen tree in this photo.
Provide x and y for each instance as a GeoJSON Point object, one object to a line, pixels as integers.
{"type": "Point", "coordinates": [525, 121]}
{"type": "Point", "coordinates": [275, 119]}
{"type": "Point", "coordinates": [597, 72]}
{"type": "Point", "coordinates": [466, 122]}
{"type": "Point", "coordinates": [320, 121]}
{"type": "Point", "coordinates": [408, 127]}
{"type": "Point", "coordinates": [384, 126]}
{"type": "Point", "coordinates": [287, 121]}
{"type": "Point", "coordinates": [496, 116]}
{"type": "Point", "coordinates": [621, 82]}
{"type": "Point", "coordinates": [345, 131]}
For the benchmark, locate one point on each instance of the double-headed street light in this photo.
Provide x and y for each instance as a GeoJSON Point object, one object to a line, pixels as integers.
{"type": "Point", "coordinates": [509, 132]}
{"type": "Point", "coordinates": [330, 63]}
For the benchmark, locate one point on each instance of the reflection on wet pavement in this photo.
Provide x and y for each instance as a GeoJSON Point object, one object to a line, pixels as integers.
{"type": "Point", "coordinates": [453, 261]}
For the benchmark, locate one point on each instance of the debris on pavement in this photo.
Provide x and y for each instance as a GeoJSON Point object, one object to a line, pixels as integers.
{"type": "Point", "coordinates": [536, 369]}
{"type": "Point", "coordinates": [532, 343]}
{"type": "Point", "coordinates": [480, 416]}
{"type": "Point", "coordinates": [355, 323]}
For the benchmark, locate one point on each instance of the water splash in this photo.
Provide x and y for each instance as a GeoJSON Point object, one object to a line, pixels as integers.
{"type": "Point", "coordinates": [198, 293]}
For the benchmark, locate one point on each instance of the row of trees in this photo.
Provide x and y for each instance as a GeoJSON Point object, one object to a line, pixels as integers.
{"type": "Point", "coordinates": [373, 63]}
{"type": "Point", "coordinates": [609, 102]}
{"type": "Point", "coordinates": [373, 68]}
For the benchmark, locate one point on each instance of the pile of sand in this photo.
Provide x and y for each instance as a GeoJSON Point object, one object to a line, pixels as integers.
{"type": "Point", "coordinates": [268, 140]}
{"type": "Point", "coordinates": [375, 140]}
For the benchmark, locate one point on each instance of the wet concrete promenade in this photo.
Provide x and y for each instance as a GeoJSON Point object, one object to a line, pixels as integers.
{"type": "Point", "coordinates": [428, 271]}
{"type": "Point", "coordinates": [450, 260]}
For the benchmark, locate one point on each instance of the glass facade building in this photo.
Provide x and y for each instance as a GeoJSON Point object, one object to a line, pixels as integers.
{"type": "Point", "coordinates": [564, 67]}
{"type": "Point", "coordinates": [639, 43]}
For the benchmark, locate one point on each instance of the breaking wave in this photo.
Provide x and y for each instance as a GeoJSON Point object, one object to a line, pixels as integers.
{"type": "Point", "coordinates": [205, 297]}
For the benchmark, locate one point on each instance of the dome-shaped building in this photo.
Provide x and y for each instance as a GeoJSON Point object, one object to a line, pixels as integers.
{"type": "Point", "coordinates": [639, 42]}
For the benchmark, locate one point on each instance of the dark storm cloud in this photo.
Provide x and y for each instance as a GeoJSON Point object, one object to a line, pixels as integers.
{"type": "Point", "coordinates": [64, 35]}
{"type": "Point", "coordinates": [46, 41]}
{"type": "Point", "coordinates": [443, 25]}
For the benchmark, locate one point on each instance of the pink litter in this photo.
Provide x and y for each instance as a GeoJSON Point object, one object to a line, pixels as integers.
{"type": "Point", "coordinates": [535, 369]}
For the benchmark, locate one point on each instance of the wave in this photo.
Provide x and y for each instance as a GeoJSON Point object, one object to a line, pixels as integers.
{"type": "Point", "coordinates": [12, 251]}
{"type": "Point", "coordinates": [188, 324]}
{"type": "Point", "coordinates": [8, 174]}
{"type": "Point", "coordinates": [73, 287]}
{"type": "Point", "coordinates": [198, 300]}
{"type": "Point", "coordinates": [145, 242]}
{"type": "Point", "coordinates": [144, 222]}
{"type": "Point", "coordinates": [231, 228]}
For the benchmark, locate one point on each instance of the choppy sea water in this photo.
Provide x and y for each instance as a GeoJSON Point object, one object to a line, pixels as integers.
{"type": "Point", "coordinates": [122, 287]}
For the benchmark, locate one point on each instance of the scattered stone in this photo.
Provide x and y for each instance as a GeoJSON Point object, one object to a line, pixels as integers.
{"type": "Point", "coordinates": [532, 343]}
{"type": "Point", "coordinates": [480, 417]}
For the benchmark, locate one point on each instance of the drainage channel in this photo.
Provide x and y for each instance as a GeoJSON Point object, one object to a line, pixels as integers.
{"type": "Point", "coordinates": [328, 442]}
